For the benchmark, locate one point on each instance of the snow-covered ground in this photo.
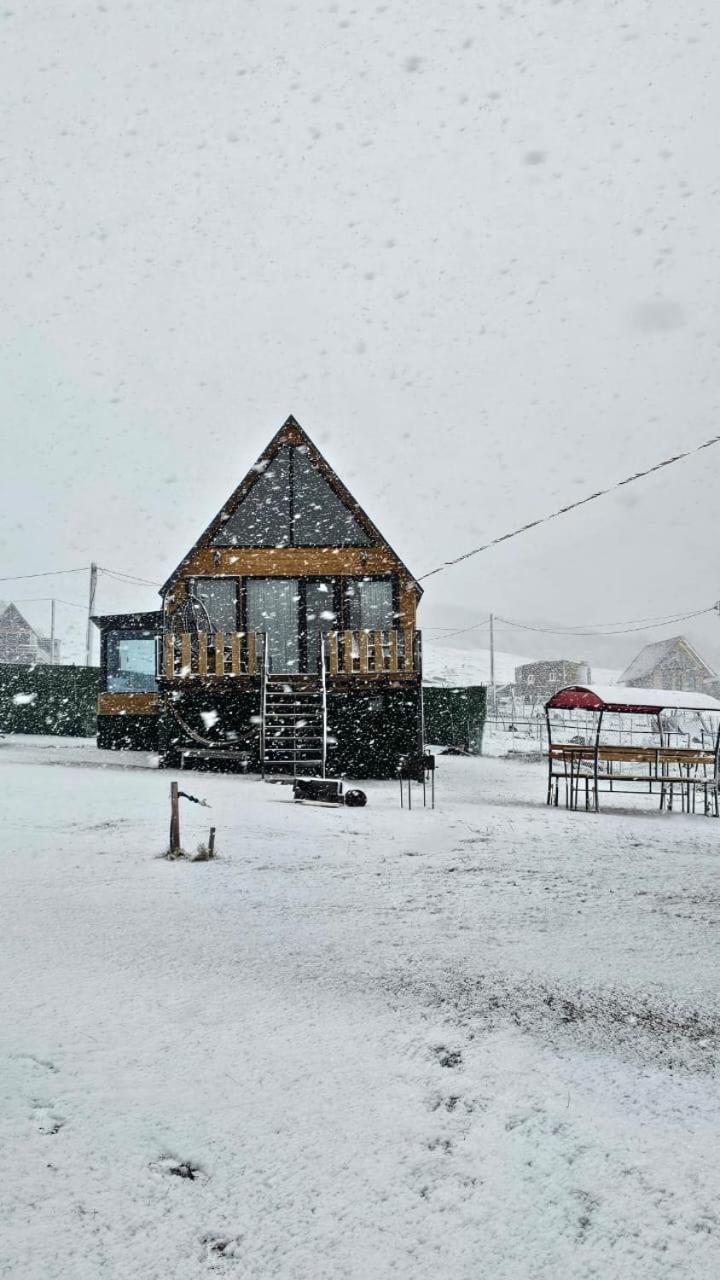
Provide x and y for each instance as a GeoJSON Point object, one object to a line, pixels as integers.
{"type": "Point", "coordinates": [475, 1042]}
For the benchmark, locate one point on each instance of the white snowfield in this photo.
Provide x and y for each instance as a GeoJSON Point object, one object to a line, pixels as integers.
{"type": "Point", "coordinates": [479, 1042]}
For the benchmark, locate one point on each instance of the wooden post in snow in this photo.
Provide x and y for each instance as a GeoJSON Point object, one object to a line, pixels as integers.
{"type": "Point", "coordinates": [174, 819]}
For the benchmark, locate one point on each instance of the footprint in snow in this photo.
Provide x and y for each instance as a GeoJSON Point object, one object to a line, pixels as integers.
{"type": "Point", "coordinates": [47, 1120]}
{"type": "Point", "coordinates": [225, 1247]}
{"type": "Point", "coordinates": [448, 1057]}
{"type": "Point", "coordinates": [176, 1168]}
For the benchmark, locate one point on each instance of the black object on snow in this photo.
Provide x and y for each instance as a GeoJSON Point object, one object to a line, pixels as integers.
{"type": "Point", "coordinates": [322, 790]}
{"type": "Point", "coordinates": [355, 799]}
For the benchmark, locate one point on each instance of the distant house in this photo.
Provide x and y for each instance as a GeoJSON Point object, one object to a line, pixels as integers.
{"type": "Point", "coordinates": [671, 664]}
{"type": "Point", "coordinates": [19, 642]}
{"type": "Point", "coordinates": [542, 679]}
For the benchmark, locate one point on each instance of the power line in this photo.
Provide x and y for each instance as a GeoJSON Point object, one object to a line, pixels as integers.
{"type": "Point", "coordinates": [572, 506]}
{"type": "Point", "coordinates": [51, 573]}
{"type": "Point", "coordinates": [622, 628]}
{"type": "Point", "coordinates": [128, 577]}
{"type": "Point", "coordinates": [47, 600]}
{"type": "Point", "coordinates": [680, 617]}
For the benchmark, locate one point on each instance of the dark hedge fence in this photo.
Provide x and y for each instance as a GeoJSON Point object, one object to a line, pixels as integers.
{"type": "Point", "coordinates": [455, 717]}
{"type": "Point", "coordinates": [55, 700]}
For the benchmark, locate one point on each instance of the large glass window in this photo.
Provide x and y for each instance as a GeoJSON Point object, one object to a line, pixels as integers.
{"type": "Point", "coordinates": [273, 606]}
{"type": "Point", "coordinates": [130, 661]}
{"type": "Point", "coordinates": [320, 616]}
{"type": "Point", "coordinates": [368, 605]}
{"type": "Point", "coordinates": [219, 598]}
{"type": "Point", "coordinates": [291, 504]}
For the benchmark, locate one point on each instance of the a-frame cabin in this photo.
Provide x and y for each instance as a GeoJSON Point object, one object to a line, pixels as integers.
{"type": "Point", "coordinates": [287, 638]}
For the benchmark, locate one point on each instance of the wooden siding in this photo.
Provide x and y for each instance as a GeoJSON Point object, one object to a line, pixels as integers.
{"type": "Point", "coordinates": [127, 704]}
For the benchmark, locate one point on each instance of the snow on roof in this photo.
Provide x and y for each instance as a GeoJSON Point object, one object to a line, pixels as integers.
{"type": "Point", "coordinates": [645, 662]}
{"type": "Point", "coordinates": [601, 697]}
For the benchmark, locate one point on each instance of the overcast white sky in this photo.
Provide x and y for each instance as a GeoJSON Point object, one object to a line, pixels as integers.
{"type": "Point", "coordinates": [472, 247]}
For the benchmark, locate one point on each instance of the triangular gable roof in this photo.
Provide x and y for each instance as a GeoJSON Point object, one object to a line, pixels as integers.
{"type": "Point", "coordinates": [8, 609]}
{"type": "Point", "coordinates": [645, 662]}
{"type": "Point", "coordinates": [291, 433]}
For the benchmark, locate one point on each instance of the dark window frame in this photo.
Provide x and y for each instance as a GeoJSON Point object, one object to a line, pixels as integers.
{"type": "Point", "coordinates": [339, 583]}
{"type": "Point", "coordinates": [133, 633]}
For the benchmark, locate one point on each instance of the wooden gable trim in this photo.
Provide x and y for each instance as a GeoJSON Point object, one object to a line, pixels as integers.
{"type": "Point", "coordinates": [291, 433]}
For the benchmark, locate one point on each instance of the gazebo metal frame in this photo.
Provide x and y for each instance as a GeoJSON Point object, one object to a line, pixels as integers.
{"type": "Point", "coordinates": [597, 765]}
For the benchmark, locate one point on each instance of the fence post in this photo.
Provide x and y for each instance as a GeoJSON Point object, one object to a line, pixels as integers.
{"type": "Point", "coordinates": [174, 819]}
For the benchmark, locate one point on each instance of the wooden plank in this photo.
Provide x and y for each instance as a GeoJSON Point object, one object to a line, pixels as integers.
{"type": "Point", "coordinates": [185, 654]}
{"type": "Point", "coordinates": [363, 649]}
{"type": "Point", "coordinates": [219, 654]}
{"type": "Point", "coordinates": [393, 651]}
{"type": "Point", "coordinates": [408, 659]}
{"type": "Point", "coordinates": [378, 652]}
{"type": "Point", "coordinates": [348, 652]}
{"type": "Point", "coordinates": [293, 562]}
{"type": "Point", "coordinates": [169, 654]}
{"type": "Point", "coordinates": [202, 653]}
{"type": "Point", "coordinates": [235, 652]}
{"type": "Point", "coordinates": [127, 704]}
{"type": "Point", "coordinates": [408, 606]}
{"type": "Point", "coordinates": [332, 648]}
{"type": "Point", "coordinates": [252, 653]}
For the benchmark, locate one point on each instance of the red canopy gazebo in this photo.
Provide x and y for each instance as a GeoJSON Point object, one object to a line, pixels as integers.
{"type": "Point", "coordinates": [662, 766]}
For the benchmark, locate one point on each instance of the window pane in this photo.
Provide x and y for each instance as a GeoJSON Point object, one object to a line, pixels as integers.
{"type": "Point", "coordinates": [130, 662]}
{"type": "Point", "coordinates": [263, 518]}
{"type": "Point", "coordinates": [320, 519]}
{"type": "Point", "coordinates": [369, 605]}
{"type": "Point", "coordinates": [219, 596]}
{"type": "Point", "coordinates": [291, 505]}
{"type": "Point", "coordinates": [273, 607]}
{"type": "Point", "coordinates": [321, 616]}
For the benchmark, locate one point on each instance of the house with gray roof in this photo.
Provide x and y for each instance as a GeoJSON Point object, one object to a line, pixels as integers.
{"type": "Point", "coordinates": [671, 664]}
{"type": "Point", "coordinates": [22, 644]}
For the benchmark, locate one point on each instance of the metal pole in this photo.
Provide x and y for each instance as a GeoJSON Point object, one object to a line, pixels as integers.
{"type": "Point", "coordinates": [91, 610]}
{"type": "Point", "coordinates": [52, 633]}
{"type": "Point", "coordinates": [492, 665]}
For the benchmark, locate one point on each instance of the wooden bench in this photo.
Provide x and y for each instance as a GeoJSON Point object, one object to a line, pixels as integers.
{"type": "Point", "coordinates": [600, 767]}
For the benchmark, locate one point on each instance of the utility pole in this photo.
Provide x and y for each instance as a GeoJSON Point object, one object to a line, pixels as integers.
{"type": "Point", "coordinates": [493, 701]}
{"type": "Point", "coordinates": [91, 610]}
{"type": "Point", "coordinates": [52, 633]}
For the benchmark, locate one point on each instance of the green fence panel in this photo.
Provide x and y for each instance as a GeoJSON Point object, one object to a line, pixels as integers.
{"type": "Point", "coordinates": [53, 700]}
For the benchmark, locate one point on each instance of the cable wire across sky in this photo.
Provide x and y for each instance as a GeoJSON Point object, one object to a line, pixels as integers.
{"type": "Point", "coordinates": [571, 506]}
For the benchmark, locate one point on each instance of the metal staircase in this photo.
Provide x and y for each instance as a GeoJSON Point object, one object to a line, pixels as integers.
{"type": "Point", "coordinates": [293, 738]}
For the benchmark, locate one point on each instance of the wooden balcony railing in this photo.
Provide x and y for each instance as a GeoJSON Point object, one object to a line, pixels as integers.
{"type": "Point", "coordinates": [239, 653]}
{"type": "Point", "coordinates": [372, 652]}
{"type": "Point", "coordinates": [235, 653]}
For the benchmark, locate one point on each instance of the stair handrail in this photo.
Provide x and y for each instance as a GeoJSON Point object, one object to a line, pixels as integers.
{"type": "Point", "coordinates": [323, 689]}
{"type": "Point", "coordinates": [263, 699]}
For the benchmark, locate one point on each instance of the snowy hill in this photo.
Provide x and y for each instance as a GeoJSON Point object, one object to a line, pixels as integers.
{"type": "Point", "coordinates": [458, 668]}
